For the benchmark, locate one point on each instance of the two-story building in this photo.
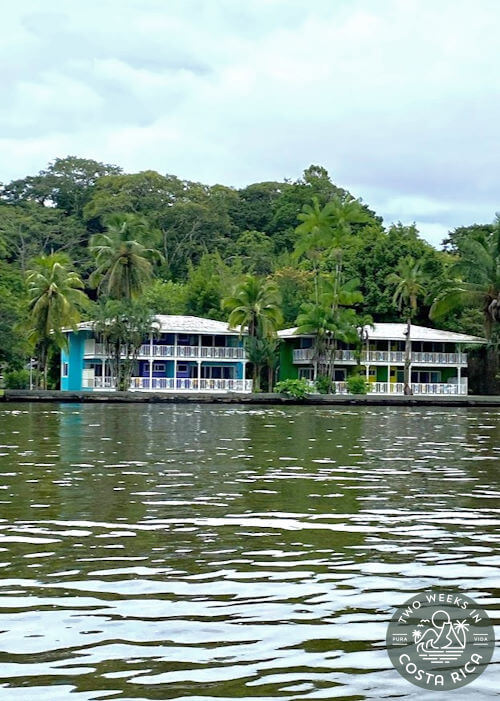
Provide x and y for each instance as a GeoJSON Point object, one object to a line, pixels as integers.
{"type": "Point", "coordinates": [438, 359]}
{"type": "Point", "coordinates": [182, 354]}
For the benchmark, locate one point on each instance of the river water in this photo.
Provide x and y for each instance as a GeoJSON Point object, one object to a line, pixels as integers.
{"type": "Point", "coordinates": [226, 552]}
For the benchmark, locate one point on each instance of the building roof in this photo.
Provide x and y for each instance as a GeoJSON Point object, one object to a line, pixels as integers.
{"type": "Point", "coordinates": [173, 323]}
{"type": "Point", "coordinates": [396, 332]}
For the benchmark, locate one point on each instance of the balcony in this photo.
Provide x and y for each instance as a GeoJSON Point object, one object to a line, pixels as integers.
{"type": "Point", "coordinates": [172, 384]}
{"type": "Point", "coordinates": [307, 354]}
{"type": "Point", "coordinates": [398, 357]}
{"type": "Point", "coordinates": [418, 388]}
{"type": "Point", "coordinates": [93, 350]}
{"type": "Point", "coordinates": [386, 357]}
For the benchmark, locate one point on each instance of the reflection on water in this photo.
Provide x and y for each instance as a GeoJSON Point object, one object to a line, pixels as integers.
{"type": "Point", "coordinates": [206, 552]}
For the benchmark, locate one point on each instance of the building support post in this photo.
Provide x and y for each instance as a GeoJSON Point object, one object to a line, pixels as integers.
{"type": "Point", "coordinates": [388, 367]}
{"type": "Point", "coordinates": [459, 370]}
{"type": "Point", "coordinates": [150, 361]}
{"type": "Point", "coordinates": [175, 361]}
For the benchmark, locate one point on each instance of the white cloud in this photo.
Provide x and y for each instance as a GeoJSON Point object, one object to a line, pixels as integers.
{"type": "Point", "coordinates": [398, 99]}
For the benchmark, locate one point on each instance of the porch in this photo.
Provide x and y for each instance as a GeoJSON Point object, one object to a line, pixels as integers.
{"type": "Point", "coordinates": [416, 387]}
{"type": "Point", "coordinates": [173, 384]}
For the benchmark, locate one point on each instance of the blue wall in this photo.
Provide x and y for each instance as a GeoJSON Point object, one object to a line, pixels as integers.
{"type": "Point", "coordinates": [74, 357]}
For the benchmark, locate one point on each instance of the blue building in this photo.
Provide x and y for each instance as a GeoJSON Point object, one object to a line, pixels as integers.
{"type": "Point", "coordinates": [183, 354]}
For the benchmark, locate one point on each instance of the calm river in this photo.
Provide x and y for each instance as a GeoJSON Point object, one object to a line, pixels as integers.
{"type": "Point", "coordinates": [211, 552]}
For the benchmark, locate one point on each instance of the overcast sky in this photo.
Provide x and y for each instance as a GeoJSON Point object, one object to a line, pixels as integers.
{"type": "Point", "coordinates": [398, 99]}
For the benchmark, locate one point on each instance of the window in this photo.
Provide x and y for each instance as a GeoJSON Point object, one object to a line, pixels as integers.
{"type": "Point", "coordinates": [425, 376]}
{"type": "Point", "coordinates": [158, 367]}
{"type": "Point", "coordinates": [339, 375]}
{"type": "Point", "coordinates": [217, 372]}
{"type": "Point", "coordinates": [305, 373]}
{"type": "Point", "coordinates": [182, 368]}
{"type": "Point", "coordinates": [65, 369]}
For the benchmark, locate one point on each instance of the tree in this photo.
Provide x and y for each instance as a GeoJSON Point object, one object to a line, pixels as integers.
{"type": "Point", "coordinates": [55, 297]}
{"type": "Point", "coordinates": [331, 319]}
{"type": "Point", "coordinates": [123, 263]}
{"type": "Point", "coordinates": [67, 183]}
{"type": "Point", "coordinates": [261, 352]}
{"type": "Point", "coordinates": [254, 306]}
{"type": "Point", "coordinates": [13, 341]}
{"type": "Point", "coordinates": [29, 229]}
{"type": "Point", "coordinates": [324, 230]}
{"type": "Point", "coordinates": [409, 282]}
{"type": "Point", "coordinates": [123, 325]}
{"type": "Point", "coordinates": [475, 279]}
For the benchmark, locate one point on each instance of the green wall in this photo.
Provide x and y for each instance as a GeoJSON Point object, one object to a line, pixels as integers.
{"type": "Point", "coordinates": [287, 369]}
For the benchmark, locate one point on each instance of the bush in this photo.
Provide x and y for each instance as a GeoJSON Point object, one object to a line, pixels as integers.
{"type": "Point", "coordinates": [325, 384]}
{"type": "Point", "coordinates": [293, 388]}
{"type": "Point", "coordinates": [17, 379]}
{"type": "Point", "coordinates": [357, 384]}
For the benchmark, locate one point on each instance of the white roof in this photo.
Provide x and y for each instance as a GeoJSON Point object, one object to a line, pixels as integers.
{"type": "Point", "coordinates": [172, 323]}
{"type": "Point", "coordinates": [396, 332]}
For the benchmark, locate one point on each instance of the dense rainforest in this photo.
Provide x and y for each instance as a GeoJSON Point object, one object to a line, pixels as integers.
{"type": "Point", "coordinates": [195, 247]}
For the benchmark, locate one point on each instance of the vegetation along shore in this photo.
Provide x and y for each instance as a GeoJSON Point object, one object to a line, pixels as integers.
{"type": "Point", "coordinates": [183, 286]}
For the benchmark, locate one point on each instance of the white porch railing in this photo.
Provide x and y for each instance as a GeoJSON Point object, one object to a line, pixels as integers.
{"type": "Point", "coordinates": [416, 358]}
{"type": "Point", "coordinates": [300, 354]}
{"type": "Point", "coordinates": [170, 351]}
{"type": "Point", "coordinates": [420, 387]}
{"type": "Point", "coordinates": [173, 384]}
{"type": "Point", "coordinates": [398, 387]}
{"type": "Point", "coordinates": [307, 354]}
{"type": "Point", "coordinates": [188, 384]}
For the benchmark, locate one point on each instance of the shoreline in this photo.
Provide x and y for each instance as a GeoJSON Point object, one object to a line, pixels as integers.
{"type": "Point", "coordinates": [58, 396]}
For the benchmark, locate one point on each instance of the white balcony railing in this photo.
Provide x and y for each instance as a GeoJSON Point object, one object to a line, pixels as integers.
{"type": "Point", "coordinates": [420, 387]}
{"type": "Point", "coordinates": [170, 351]}
{"type": "Point", "coordinates": [173, 384]}
{"type": "Point", "coordinates": [396, 357]}
{"type": "Point", "coordinates": [416, 358]}
{"type": "Point", "coordinates": [182, 384]}
{"type": "Point", "coordinates": [301, 354]}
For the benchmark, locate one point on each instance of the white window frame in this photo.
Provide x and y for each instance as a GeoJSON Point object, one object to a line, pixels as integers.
{"type": "Point", "coordinates": [158, 367]}
{"type": "Point", "coordinates": [428, 372]}
{"type": "Point", "coordinates": [306, 373]}
{"type": "Point", "coordinates": [65, 370]}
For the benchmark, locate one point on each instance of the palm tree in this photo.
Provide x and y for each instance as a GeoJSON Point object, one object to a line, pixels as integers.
{"type": "Point", "coordinates": [123, 263]}
{"type": "Point", "coordinates": [255, 306]}
{"type": "Point", "coordinates": [409, 282]}
{"type": "Point", "coordinates": [55, 294]}
{"type": "Point", "coordinates": [325, 228]}
{"type": "Point", "coordinates": [476, 280]}
{"type": "Point", "coordinates": [328, 326]}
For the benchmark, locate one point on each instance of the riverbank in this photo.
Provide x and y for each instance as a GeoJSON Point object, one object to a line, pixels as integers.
{"type": "Point", "coordinates": [18, 395]}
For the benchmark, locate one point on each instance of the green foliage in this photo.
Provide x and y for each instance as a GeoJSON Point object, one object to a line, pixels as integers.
{"type": "Point", "coordinates": [298, 389]}
{"type": "Point", "coordinates": [166, 297]}
{"type": "Point", "coordinates": [409, 282]}
{"type": "Point", "coordinates": [122, 326]}
{"type": "Point", "coordinates": [254, 306]}
{"type": "Point", "coordinates": [211, 237]}
{"type": "Point", "coordinates": [474, 279]}
{"type": "Point", "coordinates": [55, 300]}
{"type": "Point", "coordinates": [325, 385]}
{"type": "Point", "coordinates": [123, 263]}
{"type": "Point", "coordinates": [357, 384]}
{"type": "Point", "coordinates": [17, 379]}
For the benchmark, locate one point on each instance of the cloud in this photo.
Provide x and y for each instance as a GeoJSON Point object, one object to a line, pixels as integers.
{"type": "Point", "coordinates": [397, 99]}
